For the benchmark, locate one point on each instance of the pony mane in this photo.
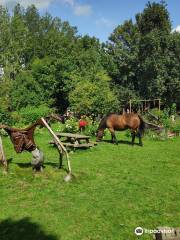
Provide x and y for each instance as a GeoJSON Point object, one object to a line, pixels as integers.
{"type": "Point", "coordinates": [102, 124]}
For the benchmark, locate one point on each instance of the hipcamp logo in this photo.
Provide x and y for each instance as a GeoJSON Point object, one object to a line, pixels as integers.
{"type": "Point", "coordinates": [139, 231]}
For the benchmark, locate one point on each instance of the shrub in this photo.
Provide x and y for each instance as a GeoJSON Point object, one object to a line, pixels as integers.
{"type": "Point", "coordinates": [175, 127]}
{"type": "Point", "coordinates": [5, 117]}
{"type": "Point", "coordinates": [91, 129]}
{"type": "Point", "coordinates": [156, 136]}
{"type": "Point", "coordinates": [128, 133]}
{"type": "Point", "coordinates": [71, 125]}
{"type": "Point", "coordinates": [30, 114]}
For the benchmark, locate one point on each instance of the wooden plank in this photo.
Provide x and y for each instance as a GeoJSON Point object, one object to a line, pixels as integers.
{"type": "Point", "coordinates": [72, 135]}
{"type": "Point", "coordinates": [2, 155]}
{"type": "Point", "coordinates": [82, 145]}
{"type": "Point", "coordinates": [59, 144]}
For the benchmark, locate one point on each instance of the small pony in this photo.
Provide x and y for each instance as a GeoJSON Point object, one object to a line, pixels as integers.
{"type": "Point", "coordinates": [118, 122]}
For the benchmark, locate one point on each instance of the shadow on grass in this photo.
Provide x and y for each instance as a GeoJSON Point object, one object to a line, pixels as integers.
{"type": "Point", "coordinates": [120, 142]}
{"type": "Point", "coordinates": [23, 229]}
{"type": "Point", "coordinates": [53, 165]}
{"type": "Point", "coordinates": [56, 165]}
{"type": "Point", "coordinates": [24, 165]}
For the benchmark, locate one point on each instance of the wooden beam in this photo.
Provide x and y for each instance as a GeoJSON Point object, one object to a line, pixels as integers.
{"type": "Point", "coordinates": [130, 105]}
{"type": "Point", "coordinates": [59, 145]}
{"type": "Point", "coordinates": [159, 106]}
{"type": "Point", "coordinates": [2, 155]}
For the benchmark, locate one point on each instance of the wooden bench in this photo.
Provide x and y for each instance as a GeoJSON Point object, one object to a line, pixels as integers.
{"type": "Point", "coordinates": [70, 137]}
{"type": "Point", "coordinates": [74, 140]}
{"type": "Point", "coordinates": [66, 144]}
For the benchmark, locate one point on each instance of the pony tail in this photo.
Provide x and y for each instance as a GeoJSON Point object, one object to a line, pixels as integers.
{"type": "Point", "coordinates": [142, 125]}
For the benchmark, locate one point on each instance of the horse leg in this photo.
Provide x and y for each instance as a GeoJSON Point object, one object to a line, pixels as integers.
{"type": "Point", "coordinates": [133, 135]}
{"type": "Point", "coordinates": [114, 139]}
{"type": "Point", "coordinates": [60, 160]}
{"type": "Point", "coordinates": [140, 139]}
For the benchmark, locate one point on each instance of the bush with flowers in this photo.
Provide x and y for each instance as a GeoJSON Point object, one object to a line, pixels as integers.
{"type": "Point", "coordinates": [71, 125]}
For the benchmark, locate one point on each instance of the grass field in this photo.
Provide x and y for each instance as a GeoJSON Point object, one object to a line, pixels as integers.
{"type": "Point", "coordinates": [116, 189]}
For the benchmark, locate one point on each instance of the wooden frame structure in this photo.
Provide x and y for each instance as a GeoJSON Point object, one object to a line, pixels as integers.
{"type": "Point", "coordinates": [61, 149]}
{"type": "Point", "coordinates": [146, 101]}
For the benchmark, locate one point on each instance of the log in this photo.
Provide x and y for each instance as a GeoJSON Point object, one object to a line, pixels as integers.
{"type": "Point", "coordinates": [154, 126]}
{"type": "Point", "coordinates": [154, 116]}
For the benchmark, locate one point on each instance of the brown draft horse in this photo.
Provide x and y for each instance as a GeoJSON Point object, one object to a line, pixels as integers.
{"type": "Point", "coordinates": [118, 122]}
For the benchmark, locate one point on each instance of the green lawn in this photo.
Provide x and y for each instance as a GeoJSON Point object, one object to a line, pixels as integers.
{"type": "Point", "coordinates": [116, 189]}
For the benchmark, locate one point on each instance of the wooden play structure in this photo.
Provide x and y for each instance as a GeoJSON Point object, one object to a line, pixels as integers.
{"type": "Point", "coordinates": [61, 149]}
{"type": "Point", "coordinates": [144, 104]}
{"type": "Point", "coordinates": [23, 140]}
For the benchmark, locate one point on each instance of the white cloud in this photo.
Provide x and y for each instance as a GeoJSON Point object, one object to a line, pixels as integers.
{"type": "Point", "coordinates": [177, 29]}
{"type": "Point", "coordinates": [82, 10]}
{"type": "Point", "coordinates": [78, 9]}
{"type": "Point", "coordinates": [104, 22]}
{"type": "Point", "coordinates": [71, 3]}
{"type": "Point", "coordinates": [26, 3]}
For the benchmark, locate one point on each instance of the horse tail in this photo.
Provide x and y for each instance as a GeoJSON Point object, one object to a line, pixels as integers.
{"type": "Point", "coordinates": [141, 128]}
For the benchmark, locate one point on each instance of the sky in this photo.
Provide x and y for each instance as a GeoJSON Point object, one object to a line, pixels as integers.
{"type": "Point", "coordinates": [96, 17]}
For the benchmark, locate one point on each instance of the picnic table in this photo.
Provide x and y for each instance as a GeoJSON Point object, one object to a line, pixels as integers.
{"type": "Point", "coordinates": [74, 140]}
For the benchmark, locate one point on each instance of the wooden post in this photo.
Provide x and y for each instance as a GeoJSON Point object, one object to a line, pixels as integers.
{"type": "Point", "coordinates": [159, 105]}
{"type": "Point", "coordinates": [130, 106]}
{"type": "Point", "coordinates": [60, 146]}
{"type": "Point", "coordinates": [2, 155]}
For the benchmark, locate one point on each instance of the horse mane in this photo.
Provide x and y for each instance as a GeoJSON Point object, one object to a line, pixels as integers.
{"type": "Point", "coordinates": [102, 124]}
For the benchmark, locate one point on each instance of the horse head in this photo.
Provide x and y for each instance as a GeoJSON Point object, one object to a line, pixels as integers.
{"type": "Point", "coordinates": [99, 134]}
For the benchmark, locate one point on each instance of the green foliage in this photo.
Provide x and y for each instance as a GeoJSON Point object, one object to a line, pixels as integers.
{"type": "Point", "coordinates": [25, 91]}
{"type": "Point", "coordinates": [30, 114]}
{"type": "Point", "coordinates": [144, 55]}
{"type": "Point", "coordinates": [152, 135]}
{"type": "Point", "coordinates": [5, 117]}
{"type": "Point", "coordinates": [154, 16]}
{"type": "Point", "coordinates": [173, 109]}
{"type": "Point", "coordinates": [94, 95]}
{"type": "Point", "coordinates": [175, 127]}
{"type": "Point", "coordinates": [165, 118]}
{"type": "Point", "coordinates": [71, 125]}
{"type": "Point", "coordinates": [128, 133]}
{"type": "Point", "coordinates": [92, 127]}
